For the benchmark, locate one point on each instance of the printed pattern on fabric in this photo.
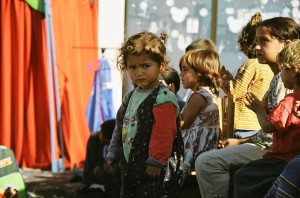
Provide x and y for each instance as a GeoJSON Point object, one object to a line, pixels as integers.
{"type": "Point", "coordinates": [204, 133]}
{"type": "Point", "coordinates": [276, 92]}
{"type": "Point", "coordinates": [135, 182]}
{"type": "Point", "coordinates": [130, 120]}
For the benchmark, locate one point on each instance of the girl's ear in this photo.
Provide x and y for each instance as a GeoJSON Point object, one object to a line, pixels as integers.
{"type": "Point", "coordinates": [294, 74]}
{"type": "Point", "coordinates": [171, 86]}
{"type": "Point", "coordinates": [162, 66]}
{"type": "Point", "coordinates": [287, 42]}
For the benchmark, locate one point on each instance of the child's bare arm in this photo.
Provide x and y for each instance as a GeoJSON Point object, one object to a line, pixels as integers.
{"type": "Point", "coordinates": [191, 110]}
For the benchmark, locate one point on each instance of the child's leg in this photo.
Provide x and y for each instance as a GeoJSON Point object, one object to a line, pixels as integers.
{"type": "Point", "coordinates": [289, 181]}
{"type": "Point", "coordinates": [114, 182]}
{"type": "Point", "coordinates": [187, 162]}
{"type": "Point", "coordinates": [213, 167]}
{"type": "Point", "coordinates": [255, 178]}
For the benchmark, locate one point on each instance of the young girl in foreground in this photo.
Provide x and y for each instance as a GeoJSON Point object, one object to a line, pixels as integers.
{"type": "Point", "coordinates": [254, 178]}
{"type": "Point", "coordinates": [148, 123]}
{"type": "Point", "coordinates": [200, 116]}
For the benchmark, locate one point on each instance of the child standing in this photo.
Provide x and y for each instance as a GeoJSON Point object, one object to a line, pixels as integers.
{"type": "Point", "coordinates": [200, 116]}
{"type": "Point", "coordinates": [255, 178]}
{"type": "Point", "coordinates": [148, 123]}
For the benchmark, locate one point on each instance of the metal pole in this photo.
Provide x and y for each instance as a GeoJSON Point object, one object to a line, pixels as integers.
{"type": "Point", "coordinates": [54, 167]}
{"type": "Point", "coordinates": [56, 88]}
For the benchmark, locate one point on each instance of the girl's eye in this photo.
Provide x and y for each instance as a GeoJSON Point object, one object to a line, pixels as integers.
{"type": "Point", "coordinates": [146, 65]}
{"type": "Point", "coordinates": [263, 40]}
{"type": "Point", "coordinates": [131, 67]}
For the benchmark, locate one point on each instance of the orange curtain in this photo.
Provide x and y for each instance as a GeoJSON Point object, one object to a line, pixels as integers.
{"type": "Point", "coordinates": [24, 102]}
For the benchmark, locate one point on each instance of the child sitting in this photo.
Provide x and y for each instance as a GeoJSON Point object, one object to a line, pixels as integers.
{"type": "Point", "coordinates": [96, 175]}
{"type": "Point", "coordinates": [256, 177]}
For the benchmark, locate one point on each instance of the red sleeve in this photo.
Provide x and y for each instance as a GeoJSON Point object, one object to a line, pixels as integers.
{"type": "Point", "coordinates": [163, 132]}
{"type": "Point", "coordinates": [280, 116]}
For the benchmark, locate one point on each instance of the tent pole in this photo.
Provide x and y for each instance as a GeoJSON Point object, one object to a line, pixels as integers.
{"type": "Point", "coordinates": [52, 75]}
{"type": "Point", "coordinates": [56, 88]}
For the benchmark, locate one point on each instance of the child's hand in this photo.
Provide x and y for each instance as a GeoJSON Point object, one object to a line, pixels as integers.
{"type": "Point", "coordinates": [221, 144]}
{"type": "Point", "coordinates": [297, 113]}
{"type": "Point", "coordinates": [253, 103]}
{"type": "Point", "coordinates": [163, 82]}
{"type": "Point", "coordinates": [228, 142]}
{"type": "Point", "coordinates": [225, 74]}
{"type": "Point", "coordinates": [112, 163]}
{"type": "Point", "coordinates": [153, 171]}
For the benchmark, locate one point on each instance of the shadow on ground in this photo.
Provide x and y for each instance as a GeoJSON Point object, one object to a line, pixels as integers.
{"type": "Point", "coordinates": [45, 184]}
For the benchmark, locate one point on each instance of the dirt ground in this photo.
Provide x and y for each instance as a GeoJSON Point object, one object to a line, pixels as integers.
{"type": "Point", "coordinates": [45, 184]}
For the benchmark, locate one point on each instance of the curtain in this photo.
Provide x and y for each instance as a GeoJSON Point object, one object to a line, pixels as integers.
{"type": "Point", "coordinates": [24, 102]}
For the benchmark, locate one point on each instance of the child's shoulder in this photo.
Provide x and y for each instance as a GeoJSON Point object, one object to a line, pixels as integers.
{"type": "Point", "coordinates": [165, 95]}
{"type": "Point", "coordinates": [205, 91]}
{"type": "Point", "coordinates": [127, 96]}
{"type": "Point", "coordinates": [291, 97]}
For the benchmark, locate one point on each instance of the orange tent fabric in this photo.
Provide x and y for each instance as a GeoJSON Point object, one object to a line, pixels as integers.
{"type": "Point", "coordinates": [24, 102]}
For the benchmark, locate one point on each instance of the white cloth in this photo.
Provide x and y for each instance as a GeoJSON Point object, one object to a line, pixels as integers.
{"type": "Point", "coordinates": [94, 186]}
{"type": "Point", "coordinates": [212, 167]}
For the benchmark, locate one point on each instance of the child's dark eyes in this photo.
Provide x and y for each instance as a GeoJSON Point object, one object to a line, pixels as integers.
{"type": "Point", "coordinates": [131, 67]}
{"type": "Point", "coordinates": [262, 40]}
{"type": "Point", "coordinates": [146, 65]}
{"type": "Point", "coordinates": [184, 69]}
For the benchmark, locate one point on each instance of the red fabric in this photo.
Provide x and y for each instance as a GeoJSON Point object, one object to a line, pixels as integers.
{"type": "Point", "coordinates": [24, 102]}
{"type": "Point", "coordinates": [287, 135]}
{"type": "Point", "coordinates": [163, 132]}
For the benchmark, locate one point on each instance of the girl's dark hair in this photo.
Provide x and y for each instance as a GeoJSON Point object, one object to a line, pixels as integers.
{"type": "Point", "coordinates": [282, 28]}
{"type": "Point", "coordinates": [246, 39]}
{"type": "Point", "coordinates": [172, 76]}
{"type": "Point", "coordinates": [206, 64]}
{"type": "Point", "coordinates": [144, 42]}
{"type": "Point", "coordinates": [107, 128]}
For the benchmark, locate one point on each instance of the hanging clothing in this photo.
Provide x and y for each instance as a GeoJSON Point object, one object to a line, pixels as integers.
{"type": "Point", "coordinates": [100, 107]}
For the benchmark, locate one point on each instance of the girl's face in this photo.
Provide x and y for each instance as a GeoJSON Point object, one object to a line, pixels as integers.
{"type": "Point", "coordinates": [189, 78]}
{"type": "Point", "coordinates": [143, 71]}
{"type": "Point", "coordinates": [267, 47]}
{"type": "Point", "coordinates": [287, 78]}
